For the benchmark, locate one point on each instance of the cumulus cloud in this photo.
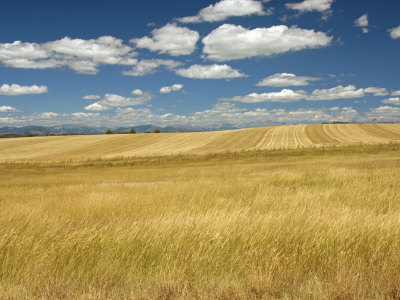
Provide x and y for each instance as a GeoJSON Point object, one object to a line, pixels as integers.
{"type": "Point", "coordinates": [210, 72]}
{"type": "Point", "coordinates": [377, 91]}
{"type": "Point", "coordinates": [228, 113]}
{"type": "Point", "coordinates": [285, 95]}
{"type": "Point", "coordinates": [150, 66]}
{"type": "Point", "coordinates": [286, 79]}
{"type": "Point", "coordinates": [8, 109]}
{"type": "Point", "coordinates": [218, 115]}
{"type": "Point", "coordinates": [229, 42]}
{"type": "Point", "coordinates": [392, 100]}
{"type": "Point", "coordinates": [395, 32]}
{"type": "Point", "coordinates": [111, 101]}
{"type": "Point", "coordinates": [362, 22]}
{"type": "Point", "coordinates": [311, 5]}
{"type": "Point", "coordinates": [339, 92]}
{"type": "Point", "coordinates": [170, 39]}
{"type": "Point", "coordinates": [345, 92]}
{"type": "Point", "coordinates": [16, 89]}
{"type": "Point", "coordinates": [225, 9]}
{"type": "Point", "coordinates": [384, 114]}
{"type": "Point", "coordinates": [396, 93]}
{"type": "Point", "coordinates": [82, 56]}
{"type": "Point", "coordinates": [137, 92]}
{"type": "Point", "coordinates": [52, 118]}
{"type": "Point", "coordinates": [91, 97]}
{"type": "Point", "coordinates": [172, 88]}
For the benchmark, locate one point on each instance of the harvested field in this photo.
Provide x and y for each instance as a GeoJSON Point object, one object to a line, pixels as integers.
{"type": "Point", "coordinates": [140, 145]}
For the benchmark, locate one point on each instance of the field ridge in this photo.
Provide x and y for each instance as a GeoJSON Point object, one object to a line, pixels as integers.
{"type": "Point", "coordinates": [81, 147]}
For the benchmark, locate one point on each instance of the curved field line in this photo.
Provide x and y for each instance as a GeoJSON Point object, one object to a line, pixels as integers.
{"type": "Point", "coordinates": [103, 146]}
{"type": "Point", "coordinates": [286, 137]}
{"type": "Point", "coordinates": [271, 138]}
{"type": "Point", "coordinates": [301, 139]}
{"type": "Point", "coordinates": [264, 139]}
{"type": "Point", "coordinates": [368, 135]}
{"type": "Point", "coordinates": [297, 140]}
{"type": "Point", "coordinates": [379, 131]}
{"type": "Point", "coordinates": [277, 140]}
{"type": "Point", "coordinates": [395, 128]}
{"type": "Point", "coordinates": [318, 135]}
{"type": "Point", "coordinates": [306, 140]}
{"type": "Point", "coordinates": [217, 143]}
{"type": "Point", "coordinates": [347, 135]}
{"type": "Point", "coordinates": [333, 132]}
{"type": "Point", "coordinates": [333, 141]}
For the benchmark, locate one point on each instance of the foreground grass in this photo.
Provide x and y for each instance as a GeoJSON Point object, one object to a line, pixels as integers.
{"type": "Point", "coordinates": [306, 224]}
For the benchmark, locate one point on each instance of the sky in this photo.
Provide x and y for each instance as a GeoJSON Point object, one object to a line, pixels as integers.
{"type": "Point", "coordinates": [204, 64]}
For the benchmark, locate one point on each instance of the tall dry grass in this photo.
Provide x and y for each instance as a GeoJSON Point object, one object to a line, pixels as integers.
{"type": "Point", "coordinates": [305, 224]}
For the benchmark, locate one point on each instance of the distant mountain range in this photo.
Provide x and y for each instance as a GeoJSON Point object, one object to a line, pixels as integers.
{"type": "Point", "coordinates": [73, 129]}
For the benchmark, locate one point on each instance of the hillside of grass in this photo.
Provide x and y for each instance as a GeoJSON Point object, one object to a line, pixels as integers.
{"type": "Point", "coordinates": [156, 144]}
{"type": "Point", "coordinates": [319, 223]}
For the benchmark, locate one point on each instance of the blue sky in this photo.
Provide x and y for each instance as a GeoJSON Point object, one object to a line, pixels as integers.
{"type": "Point", "coordinates": [240, 63]}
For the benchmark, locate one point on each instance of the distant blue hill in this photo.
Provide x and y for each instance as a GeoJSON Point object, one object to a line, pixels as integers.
{"type": "Point", "coordinates": [75, 130]}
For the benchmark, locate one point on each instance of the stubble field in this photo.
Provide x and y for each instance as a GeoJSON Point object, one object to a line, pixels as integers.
{"type": "Point", "coordinates": [318, 223]}
{"type": "Point", "coordinates": [56, 148]}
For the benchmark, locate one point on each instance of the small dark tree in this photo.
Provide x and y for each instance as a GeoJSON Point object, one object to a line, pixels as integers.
{"type": "Point", "coordinates": [109, 131]}
{"type": "Point", "coordinates": [29, 134]}
{"type": "Point", "coordinates": [157, 131]}
{"type": "Point", "coordinates": [133, 131]}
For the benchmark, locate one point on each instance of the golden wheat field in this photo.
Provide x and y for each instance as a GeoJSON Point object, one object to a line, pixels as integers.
{"type": "Point", "coordinates": [206, 221]}
{"type": "Point", "coordinates": [265, 138]}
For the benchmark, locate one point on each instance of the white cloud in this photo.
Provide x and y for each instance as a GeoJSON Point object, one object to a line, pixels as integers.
{"type": "Point", "coordinates": [210, 72]}
{"type": "Point", "coordinates": [396, 93]}
{"type": "Point", "coordinates": [230, 42]}
{"type": "Point", "coordinates": [171, 39]}
{"type": "Point", "coordinates": [105, 50]}
{"type": "Point", "coordinates": [228, 113]}
{"type": "Point", "coordinates": [91, 97]}
{"type": "Point", "coordinates": [395, 32]}
{"type": "Point", "coordinates": [218, 115]}
{"type": "Point", "coordinates": [8, 109]}
{"type": "Point", "coordinates": [172, 88]}
{"type": "Point", "coordinates": [110, 101]}
{"type": "Point", "coordinates": [339, 92]}
{"type": "Point", "coordinates": [362, 22]}
{"type": "Point", "coordinates": [377, 91]}
{"type": "Point", "coordinates": [286, 79]}
{"type": "Point", "coordinates": [52, 118]}
{"type": "Point", "coordinates": [311, 5]}
{"type": "Point", "coordinates": [392, 100]}
{"type": "Point", "coordinates": [384, 114]}
{"type": "Point", "coordinates": [96, 107]}
{"type": "Point", "coordinates": [285, 95]}
{"type": "Point", "coordinates": [19, 50]}
{"type": "Point", "coordinates": [82, 56]}
{"type": "Point", "coordinates": [150, 66]}
{"type": "Point", "coordinates": [225, 9]}
{"type": "Point", "coordinates": [16, 89]}
{"type": "Point", "coordinates": [137, 92]}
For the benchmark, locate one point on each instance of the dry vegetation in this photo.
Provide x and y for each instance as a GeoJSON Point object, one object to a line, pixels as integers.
{"type": "Point", "coordinates": [140, 145]}
{"type": "Point", "coordinates": [320, 223]}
